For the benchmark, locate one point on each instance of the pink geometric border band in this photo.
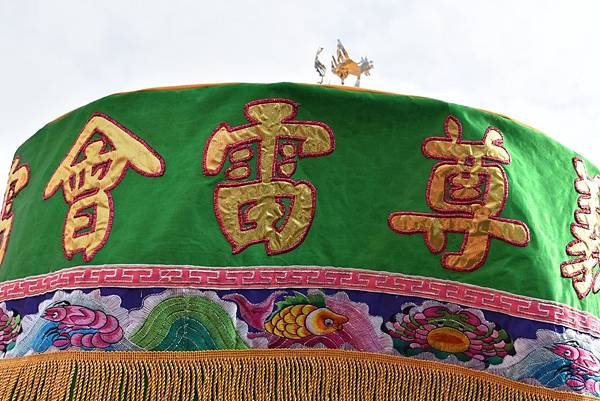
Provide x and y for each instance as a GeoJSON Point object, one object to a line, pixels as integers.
{"type": "Point", "coordinates": [131, 276]}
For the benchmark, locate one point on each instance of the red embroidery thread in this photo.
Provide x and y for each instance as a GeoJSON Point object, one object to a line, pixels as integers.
{"type": "Point", "coordinates": [89, 188]}
{"type": "Point", "coordinates": [17, 180]}
{"type": "Point", "coordinates": [262, 216]}
{"type": "Point", "coordinates": [455, 190]}
{"type": "Point", "coordinates": [586, 231]}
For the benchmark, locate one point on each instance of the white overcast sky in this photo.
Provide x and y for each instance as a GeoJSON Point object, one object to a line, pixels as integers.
{"type": "Point", "coordinates": [536, 61]}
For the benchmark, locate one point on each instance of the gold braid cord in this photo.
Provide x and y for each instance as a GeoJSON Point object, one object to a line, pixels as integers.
{"type": "Point", "coordinates": [257, 375]}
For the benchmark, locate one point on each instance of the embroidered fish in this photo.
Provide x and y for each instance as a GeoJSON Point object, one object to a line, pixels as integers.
{"type": "Point", "coordinates": [301, 316]}
{"type": "Point", "coordinates": [79, 326]}
{"type": "Point", "coordinates": [583, 367]}
{"type": "Point", "coordinates": [579, 358]}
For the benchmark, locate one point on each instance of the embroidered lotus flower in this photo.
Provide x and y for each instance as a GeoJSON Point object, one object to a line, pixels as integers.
{"type": "Point", "coordinates": [10, 327]}
{"type": "Point", "coordinates": [447, 329]}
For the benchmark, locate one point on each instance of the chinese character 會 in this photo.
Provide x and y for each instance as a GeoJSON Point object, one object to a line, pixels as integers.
{"type": "Point", "coordinates": [95, 165]}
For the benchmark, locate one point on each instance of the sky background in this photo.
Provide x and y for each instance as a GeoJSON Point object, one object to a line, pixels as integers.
{"type": "Point", "coordinates": [535, 61]}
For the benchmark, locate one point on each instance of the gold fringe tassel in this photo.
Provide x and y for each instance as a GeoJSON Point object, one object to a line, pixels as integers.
{"type": "Point", "coordinates": [253, 375]}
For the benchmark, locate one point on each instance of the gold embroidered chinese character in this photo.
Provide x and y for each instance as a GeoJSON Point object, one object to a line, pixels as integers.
{"type": "Point", "coordinates": [468, 188]}
{"type": "Point", "coordinates": [95, 165]}
{"type": "Point", "coordinates": [586, 230]}
{"type": "Point", "coordinates": [268, 207]}
{"type": "Point", "coordinates": [17, 180]}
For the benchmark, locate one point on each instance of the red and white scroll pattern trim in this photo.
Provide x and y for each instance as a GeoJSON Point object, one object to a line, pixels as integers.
{"type": "Point", "coordinates": [144, 276]}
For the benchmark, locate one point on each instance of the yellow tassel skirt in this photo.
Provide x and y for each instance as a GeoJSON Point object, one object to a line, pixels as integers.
{"type": "Point", "coordinates": [256, 375]}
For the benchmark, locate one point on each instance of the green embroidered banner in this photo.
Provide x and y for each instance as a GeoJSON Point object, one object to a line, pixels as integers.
{"type": "Point", "coordinates": [288, 175]}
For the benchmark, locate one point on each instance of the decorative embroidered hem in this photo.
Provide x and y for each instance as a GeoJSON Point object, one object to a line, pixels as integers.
{"type": "Point", "coordinates": [274, 277]}
{"type": "Point", "coordinates": [257, 375]}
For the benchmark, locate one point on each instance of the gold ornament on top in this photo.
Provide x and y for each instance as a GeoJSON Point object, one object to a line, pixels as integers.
{"type": "Point", "coordinates": [17, 180]}
{"type": "Point", "coordinates": [343, 66]}
{"type": "Point", "coordinates": [268, 207]}
{"type": "Point", "coordinates": [95, 165]}
{"type": "Point", "coordinates": [586, 246]}
{"type": "Point", "coordinates": [469, 189]}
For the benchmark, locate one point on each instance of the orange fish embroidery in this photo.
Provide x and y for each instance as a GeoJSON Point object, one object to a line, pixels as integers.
{"type": "Point", "coordinates": [302, 316]}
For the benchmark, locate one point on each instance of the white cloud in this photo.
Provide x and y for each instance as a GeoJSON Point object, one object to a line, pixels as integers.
{"type": "Point", "coordinates": [534, 61]}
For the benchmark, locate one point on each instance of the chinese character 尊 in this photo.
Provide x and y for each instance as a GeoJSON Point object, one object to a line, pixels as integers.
{"type": "Point", "coordinates": [17, 180]}
{"type": "Point", "coordinates": [586, 230]}
{"type": "Point", "coordinates": [468, 188]}
{"type": "Point", "coordinates": [95, 165]}
{"type": "Point", "coordinates": [268, 207]}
